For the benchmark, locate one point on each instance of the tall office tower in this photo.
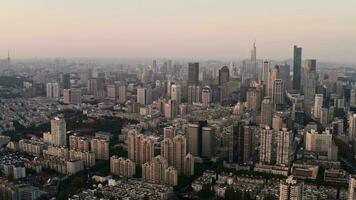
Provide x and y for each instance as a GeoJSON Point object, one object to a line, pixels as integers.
{"type": "Point", "coordinates": [297, 68]}
{"type": "Point", "coordinates": [278, 92]}
{"type": "Point", "coordinates": [267, 150]}
{"type": "Point", "coordinates": [321, 143]}
{"type": "Point", "coordinates": [265, 74]}
{"type": "Point", "coordinates": [208, 146]}
{"type": "Point", "coordinates": [179, 153]}
{"type": "Point", "coordinates": [66, 81]}
{"type": "Point", "coordinates": [291, 189]}
{"type": "Point", "coordinates": [352, 126]}
{"type": "Point", "coordinates": [253, 99]}
{"type": "Point", "coordinates": [154, 66]}
{"type": "Point", "coordinates": [167, 151]}
{"type": "Point", "coordinates": [266, 111]}
{"type": "Point", "coordinates": [101, 89]}
{"type": "Point", "coordinates": [52, 90]}
{"type": "Point", "coordinates": [140, 148]}
{"type": "Point", "coordinates": [154, 171]}
{"type": "Point", "coordinates": [144, 95]}
{"type": "Point", "coordinates": [170, 109]}
{"type": "Point", "coordinates": [224, 76]}
{"type": "Point", "coordinates": [240, 144]}
{"type": "Point", "coordinates": [72, 96]}
{"type": "Point", "coordinates": [353, 97]}
{"type": "Point", "coordinates": [206, 96]}
{"type": "Point", "coordinates": [112, 91]}
{"type": "Point", "coordinates": [58, 132]}
{"type": "Point", "coordinates": [318, 104]}
{"type": "Point", "coordinates": [284, 74]}
{"type": "Point", "coordinates": [122, 93]}
{"type": "Point", "coordinates": [176, 93]}
{"type": "Point", "coordinates": [194, 94]}
{"type": "Point", "coordinates": [351, 195]}
{"type": "Point", "coordinates": [122, 166]}
{"type": "Point", "coordinates": [310, 79]}
{"type": "Point", "coordinates": [194, 137]}
{"type": "Point", "coordinates": [100, 147]}
{"type": "Point", "coordinates": [284, 147]}
{"type": "Point", "coordinates": [92, 86]}
{"type": "Point", "coordinates": [193, 74]}
{"type": "Point", "coordinates": [253, 67]}
{"type": "Point", "coordinates": [168, 132]}
{"type": "Point", "coordinates": [273, 75]}
{"type": "Point", "coordinates": [188, 165]}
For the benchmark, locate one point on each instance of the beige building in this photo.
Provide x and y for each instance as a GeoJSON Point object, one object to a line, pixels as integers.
{"type": "Point", "coordinates": [140, 147]}
{"type": "Point", "coordinates": [188, 165]}
{"type": "Point", "coordinates": [158, 172]}
{"type": "Point", "coordinates": [291, 189]}
{"type": "Point", "coordinates": [284, 147]}
{"type": "Point", "coordinates": [322, 144]}
{"type": "Point", "coordinates": [58, 132]}
{"type": "Point", "coordinates": [266, 111]}
{"type": "Point", "coordinates": [122, 167]}
{"type": "Point", "coordinates": [100, 148]}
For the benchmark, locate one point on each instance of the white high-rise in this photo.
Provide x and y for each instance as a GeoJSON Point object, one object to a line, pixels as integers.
{"type": "Point", "coordinates": [176, 93]}
{"type": "Point", "coordinates": [58, 132]}
{"type": "Point", "coordinates": [318, 103]}
{"type": "Point", "coordinates": [291, 189]}
{"type": "Point", "coordinates": [52, 90]}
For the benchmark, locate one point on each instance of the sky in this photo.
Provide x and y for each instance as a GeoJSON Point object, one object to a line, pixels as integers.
{"type": "Point", "coordinates": [325, 29]}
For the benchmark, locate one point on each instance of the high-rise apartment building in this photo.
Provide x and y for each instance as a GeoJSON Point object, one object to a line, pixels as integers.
{"type": "Point", "coordinates": [291, 189]}
{"type": "Point", "coordinates": [318, 104]}
{"type": "Point", "coordinates": [267, 149]}
{"type": "Point", "coordinates": [100, 147]}
{"type": "Point", "coordinates": [266, 111]}
{"type": "Point", "coordinates": [52, 90]}
{"type": "Point", "coordinates": [352, 187]}
{"type": "Point", "coordinates": [144, 95]}
{"type": "Point", "coordinates": [309, 80]}
{"type": "Point", "coordinates": [72, 96]}
{"type": "Point", "coordinates": [122, 166]}
{"type": "Point", "coordinates": [284, 147]}
{"type": "Point", "coordinates": [58, 132]}
{"type": "Point", "coordinates": [140, 147]}
{"type": "Point", "coordinates": [253, 99]}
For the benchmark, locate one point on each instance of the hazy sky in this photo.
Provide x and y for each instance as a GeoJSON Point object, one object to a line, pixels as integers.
{"type": "Point", "coordinates": [326, 29]}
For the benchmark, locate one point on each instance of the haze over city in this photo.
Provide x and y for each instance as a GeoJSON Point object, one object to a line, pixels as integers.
{"type": "Point", "coordinates": [208, 29]}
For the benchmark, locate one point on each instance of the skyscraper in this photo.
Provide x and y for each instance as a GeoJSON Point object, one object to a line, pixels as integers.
{"type": "Point", "coordinates": [208, 142]}
{"type": "Point", "coordinates": [194, 137]}
{"type": "Point", "coordinates": [122, 93]}
{"type": "Point", "coordinates": [52, 90]}
{"type": "Point", "coordinates": [179, 152]}
{"type": "Point", "coordinates": [206, 96]}
{"type": "Point", "coordinates": [273, 75]}
{"type": "Point", "coordinates": [297, 67]}
{"type": "Point", "coordinates": [58, 132]}
{"type": "Point", "coordinates": [167, 150]}
{"type": "Point", "coordinates": [352, 126]}
{"type": "Point", "coordinates": [193, 74]}
{"type": "Point", "coordinates": [318, 103]}
{"type": "Point", "coordinates": [176, 93]}
{"type": "Point", "coordinates": [266, 111]}
{"type": "Point", "coordinates": [253, 99]}
{"type": "Point", "coordinates": [284, 147]}
{"type": "Point", "coordinates": [291, 189]}
{"type": "Point", "coordinates": [253, 67]}
{"type": "Point", "coordinates": [267, 153]}
{"type": "Point", "coordinates": [278, 92]}
{"type": "Point", "coordinates": [224, 75]}
{"type": "Point", "coordinates": [194, 93]}
{"type": "Point", "coordinates": [144, 95]}
{"type": "Point", "coordinates": [189, 165]}
{"type": "Point", "coordinates": [66, 81]}
{"type": "Point", "coordinates": [140, 147]}
{"type": "Point", "coordinates": [310, 79]}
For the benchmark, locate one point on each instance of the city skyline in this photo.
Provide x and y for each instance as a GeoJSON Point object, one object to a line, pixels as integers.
{"type": "Point", "coordinates": [179, 29]}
